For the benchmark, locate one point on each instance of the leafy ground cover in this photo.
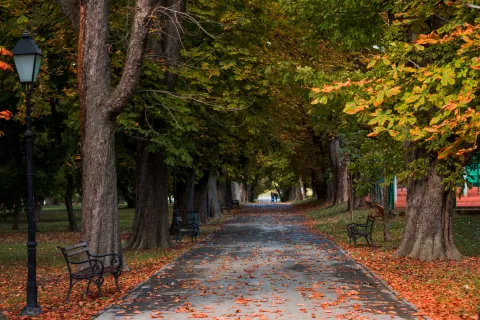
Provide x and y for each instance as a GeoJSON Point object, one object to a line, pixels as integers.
{"type": "Point", "coordinates": [52, 274]}
{"type": "Point", "coordinates": [441, 290]}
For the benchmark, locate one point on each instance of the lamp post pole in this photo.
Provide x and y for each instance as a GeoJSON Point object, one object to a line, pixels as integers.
{"type": "Point", "coordinates": [32, 308]}
{"type": "Point", "coordinates": [27, 58]}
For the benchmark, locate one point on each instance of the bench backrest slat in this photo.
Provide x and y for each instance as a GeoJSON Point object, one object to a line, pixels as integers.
{"type": "Point", "coordinates": [76, 252]}
{"type": "Point", "coordinates": [78, 245]}
{"type": "Point", "coordinates": [192, 217]}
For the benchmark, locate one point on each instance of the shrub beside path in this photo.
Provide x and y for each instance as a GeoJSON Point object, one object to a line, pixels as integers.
{"type": "Point", "coordinates": [264, 263]}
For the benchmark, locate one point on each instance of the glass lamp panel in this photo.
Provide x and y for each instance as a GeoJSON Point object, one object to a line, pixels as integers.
{"type": "Point", "coordinates": [24, 64]}
{"type": "Point", "coordinates": [38, 60]}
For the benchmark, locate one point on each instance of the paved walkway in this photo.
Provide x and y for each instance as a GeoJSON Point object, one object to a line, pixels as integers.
{"type": "Point", "coordinates": [262, 264]}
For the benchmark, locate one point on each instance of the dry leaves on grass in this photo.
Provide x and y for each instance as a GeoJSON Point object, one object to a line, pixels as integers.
{"type": "Point", "coordinates": [53, 285]}
{"type": "Point", "coordinates": [442, 290]}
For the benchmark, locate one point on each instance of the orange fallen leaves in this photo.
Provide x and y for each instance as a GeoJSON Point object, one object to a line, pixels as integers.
{"type": "Point", "coordinates": [53, 283]}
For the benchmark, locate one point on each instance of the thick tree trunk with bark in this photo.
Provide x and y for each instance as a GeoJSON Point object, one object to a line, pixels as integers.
{"type": "Point", "coordinates": [200, 202]}
{"type": "Point", "coordinates": [428, 234]}
{"type": "Point", "coordinates": [215, 211]}
{"type": "Point", "coordinates": [100, 226]}
{"type": "Point", "coordinates": [185, 190]}
{"type": "Point", "coordinates": [72, 222]}
{"type": "Point", "coordinates": [150, 227]}
{"type": "Point", "coordinates": [99, 106]}
{"type": "Point", "coordinates": [339, 170]}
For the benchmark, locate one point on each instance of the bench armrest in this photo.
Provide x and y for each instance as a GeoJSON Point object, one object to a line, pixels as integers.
{"type": "Point", "coordinates": [115, 259]}
{"type": "Point", "coordinates": [97, 266]}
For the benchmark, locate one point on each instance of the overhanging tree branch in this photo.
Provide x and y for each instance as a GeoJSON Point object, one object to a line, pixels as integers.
{"type": "Point", "coordinates": [133, 62]}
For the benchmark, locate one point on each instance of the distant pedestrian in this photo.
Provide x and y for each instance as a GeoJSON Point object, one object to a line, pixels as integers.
{"type": "Point", "coordinates": [275, 195]}
{"type": "Point", "coordinates": [272, 196]}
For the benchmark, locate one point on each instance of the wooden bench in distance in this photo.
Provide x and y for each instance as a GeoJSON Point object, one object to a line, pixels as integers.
{"type": "Point", "coordinates": [82, 265]}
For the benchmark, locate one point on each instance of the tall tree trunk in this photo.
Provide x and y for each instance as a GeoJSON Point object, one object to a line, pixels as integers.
{"type": "Point", "coordinates": [339, 169]}
{"type": "Point", "coordinates": [244, 189]}
{"type": "Point", "coordinates": [185, 189]}
{"type": "Point", "coordinates": [99, 106]}
{"type": "Point", "coordinates": [298, 192]}
{"type": "Point", "coordinates": [250, 195]}
{"type": "Point", "coordinates": [428, 234]}
{"type": "Point", "coordinates": [303, 191]}
{"type": "Point", "coordinates": [319, 186]}
{"type": "Point", "coordinates": [222, 193]}
{"type": "Point", "coordinates": [387, 212]}
{"type": "Point", "coordinates": [200, 202]}
{"type": "Point", "coordinates": [214, 209]}
{"type": "Point", "coordinates": [228, 191]}
{"type": "Point", "coordinates": [150, 225]}
{"type": "Point", "coordinates": [72, 222]}
{"type": "Point", "coordinates": [237, 191]}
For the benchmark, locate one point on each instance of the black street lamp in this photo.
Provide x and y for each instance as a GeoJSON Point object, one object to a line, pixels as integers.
{"type": "Point", "coordinates": [27, 58]}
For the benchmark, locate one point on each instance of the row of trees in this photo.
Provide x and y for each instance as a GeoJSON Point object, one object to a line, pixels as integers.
{"type": "Point", "coordinates": [330, 94]}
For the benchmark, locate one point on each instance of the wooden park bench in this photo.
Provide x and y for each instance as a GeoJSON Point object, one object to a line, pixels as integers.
{"type": "Point", "coordinates": [236, 203]}
{"type": "Point", "coordinates": [82, 265]}
{"type": "Point", "coordinates": [191, 225]}
{"type": "Point", "coordinates": [356, 230]}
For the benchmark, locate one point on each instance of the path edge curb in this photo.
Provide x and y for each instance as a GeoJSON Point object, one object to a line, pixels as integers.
{"type": "Point", "coordinates": [158, 271]}
{"type": "Point", "coordinates": [369, 271]}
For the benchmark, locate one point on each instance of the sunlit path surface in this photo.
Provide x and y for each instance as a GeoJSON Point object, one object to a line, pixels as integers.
{"type": "Point", "coordinates": [263, 264]}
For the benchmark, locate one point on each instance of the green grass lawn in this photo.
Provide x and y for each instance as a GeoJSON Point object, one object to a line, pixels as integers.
{"type": "Point", "coordinates": [53, 232]}
{"type": "Point", "coordinates": [333, 221]}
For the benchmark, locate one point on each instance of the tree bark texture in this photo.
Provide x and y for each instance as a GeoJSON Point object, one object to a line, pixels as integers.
{"type": "Point", "coordinates": [72, 222]}
{"type": "Point", "coordinates": [100, 104]}
{"type": "Point", "coordinates": [428, 234]}
{"type": "Point", "coordinates": [221, 192]}
{"type": "Point", "coordinates": [200, 202]}
{"type": "Point", "coordinates": [150, 227]}
{"type": "Point", "coordinates": [214, 209]}
{"type": "Point", "coordinates": [339, 170]}
{"type": "Point", "coordinates": [228, 191]}
{"type": "Point", "coordinates": [237, 191]}
{"type": "Point", "coordinates": [303, 191]}
{"type": "Point", "coordinates": [185, 190]}
{"type": "Point", "coordinates": [298, 192]}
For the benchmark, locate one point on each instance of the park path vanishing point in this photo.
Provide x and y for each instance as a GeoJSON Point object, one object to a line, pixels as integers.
{"type": "Point", "coordinates": [264, 263]}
